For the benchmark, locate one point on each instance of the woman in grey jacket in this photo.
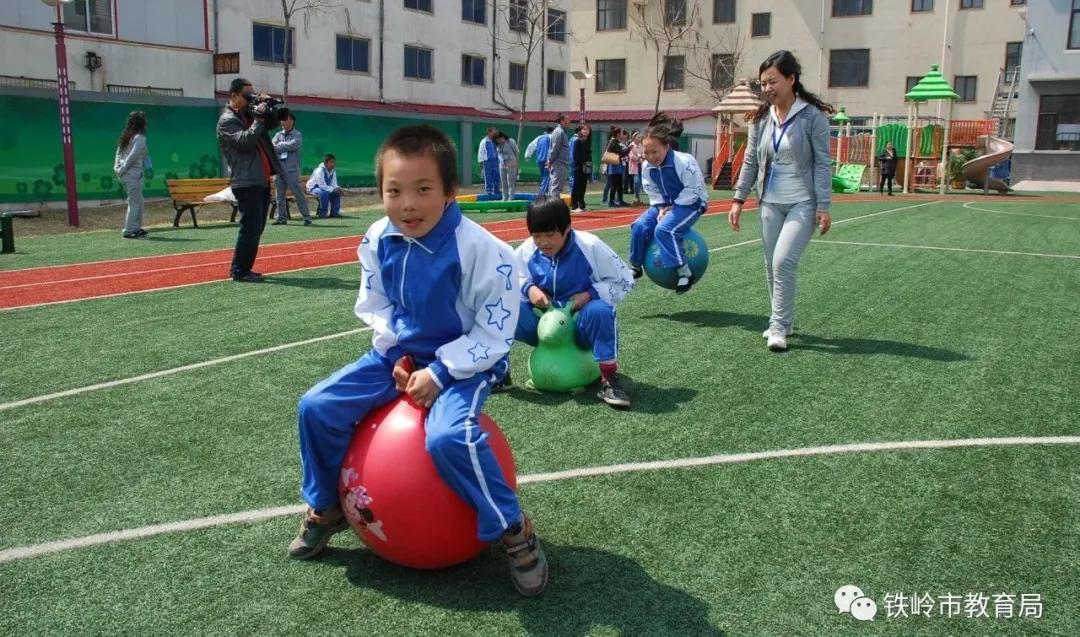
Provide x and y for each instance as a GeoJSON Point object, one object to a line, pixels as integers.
{"type": "Point", "coordinates": [131, 159]}
{"type": "Point", "coordinates": [787, 159]}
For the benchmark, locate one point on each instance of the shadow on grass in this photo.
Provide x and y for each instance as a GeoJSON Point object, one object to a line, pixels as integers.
{"type": "Point", "coordinates": [588, 589]}
{"type": "Point", "coordinates": [155, 237]}
{"type": "Point", "coordinates": [840, 345]}
{"type": "Point", "coordinates": [317, 283]}
{"type": "Point", "coordinates": [644, 398]}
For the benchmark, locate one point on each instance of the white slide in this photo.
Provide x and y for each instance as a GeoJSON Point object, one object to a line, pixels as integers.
{"type": "Point", "coordinates": [978, 170]}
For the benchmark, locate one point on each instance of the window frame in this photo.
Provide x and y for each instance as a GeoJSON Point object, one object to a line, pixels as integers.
{"type": "Point", "coordinates": [608, 11]}
{"type": "Point", "coordinates": [87, 23]}
{"type": "Point", "coordinates": [558, 34]}
{"type": "Point", "coordinates": [472, 59]}
{"type": "Point", "coordinates": [832, 80]}
{"type": "Point", "coordinates": [602, 72]}
{"type": "Point", "coordinates": [716, 11]}
{"type": "Point", "coordinates": [353, 41]}
{"type": "Point", "coordinates": [405, 65]}
{"type": "Point", "coordinates": [518, 16]}
{"type": "Point", "coordinates": [681, 73]}
{"type": "Point", "coordinates": [274, 28]}
{"type": "Point", "coordinates": [971, 4]}
{"type": "Point", "coordinates": [430, 3]}
{"type": "Point", "coordinates": [510, 77]}
{"type": "Point", "coordinates": [971, 81]}
{"type": "Point", "coordinates": [474, 4]}
{"type": "Point", "coordinates": [922, 4]}
{"type": "Point", "coordinates": [1074, 28]}
{"type": "Point", "coordinates": [680, 20]}
{"type": "Point", "coordinates": [547, 85]}
{"type": "Point", "coordinates": [768, 24]}
{"type": "Point", "coordinates": [847, 5]}
{"type": "Point", "coordinates": [713, 65]}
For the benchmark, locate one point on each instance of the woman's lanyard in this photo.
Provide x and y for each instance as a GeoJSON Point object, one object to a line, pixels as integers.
{"type": "Point", "coordinates": [776, 140]}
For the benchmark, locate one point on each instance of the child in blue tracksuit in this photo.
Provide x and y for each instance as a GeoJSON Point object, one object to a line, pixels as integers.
{"type": "Point", "coordinates": [538, 150]}
{"type": "Point", "coordinates": [558, 265]}
{"type": "Point", "coordinates": [439, 294]}
{"type": "Point", "coordinates": [677, 199]}
{"type": "Point", "coordinates": [488, 155]}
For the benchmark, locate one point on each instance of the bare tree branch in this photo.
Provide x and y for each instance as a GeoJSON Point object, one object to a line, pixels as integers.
{"type": "Point", "coordinates": [522, 27]}
{"type": "Point", "coordinates": [668, 27]}
{"type": "Point", "coordinates": [306, 8]}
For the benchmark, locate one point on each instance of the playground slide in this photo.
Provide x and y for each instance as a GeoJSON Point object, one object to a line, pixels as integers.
{"type": "Point", "coordinates": [977, 170]}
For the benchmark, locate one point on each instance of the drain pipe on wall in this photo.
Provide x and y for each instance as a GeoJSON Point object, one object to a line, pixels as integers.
{"type": "Point", "coordinates": [382, 47]}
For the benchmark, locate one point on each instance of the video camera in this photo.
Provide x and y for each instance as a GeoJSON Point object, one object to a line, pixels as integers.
{"type": "Point", "coordinates": [265, 108]}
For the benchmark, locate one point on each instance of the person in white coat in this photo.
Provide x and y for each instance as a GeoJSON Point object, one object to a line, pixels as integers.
{"type": "Point", "coordinates": [324, 185]}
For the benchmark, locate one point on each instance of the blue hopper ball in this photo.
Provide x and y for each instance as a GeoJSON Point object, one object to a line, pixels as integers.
{"type": "Point", "coordinates": [697, 257]}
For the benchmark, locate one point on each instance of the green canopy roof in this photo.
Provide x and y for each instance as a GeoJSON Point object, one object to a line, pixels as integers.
{"type": "Point", "coordinates": [841, 116]}
{"type": "Point", "coordinates": [932, 87]}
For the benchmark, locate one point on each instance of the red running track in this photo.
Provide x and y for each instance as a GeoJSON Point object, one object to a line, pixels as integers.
{"type": "Point", "coordinates": [58, 284]}
{"type": "Point", "coordinates": [61, 284]}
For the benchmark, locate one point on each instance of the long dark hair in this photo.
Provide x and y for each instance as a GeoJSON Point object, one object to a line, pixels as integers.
{"type": "Point", "coordinates": [136, 123]}
{"type": "Point", "coordinates": [785, 62]}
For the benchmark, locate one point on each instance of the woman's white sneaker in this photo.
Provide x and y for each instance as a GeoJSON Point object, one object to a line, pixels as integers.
{"type": "Point", "coordinates": [777, 341]}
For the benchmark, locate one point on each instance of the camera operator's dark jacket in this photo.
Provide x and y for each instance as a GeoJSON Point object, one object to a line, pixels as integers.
{"type": "Point", "coordinates": [240, 145]}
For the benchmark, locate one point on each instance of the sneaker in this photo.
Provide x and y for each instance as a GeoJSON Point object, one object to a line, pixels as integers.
{"type": "Point", "coordinates": [528, 564]}
{"type": "Point", "coordinates": [250, 277]}
{"type": "Point", "coordinates": [612, 393]}
{"type": "Point", "coordinates": [141, 232]}
{"type": "Point", "coordinates": [788, 332]}
{"type": "Point", "coordinates": [777, 341]}
{"type": "Point", "coordinates": [280, 222]}
{"type": "Point", "coordinates": [637, 271]}
{"type": "Point", "coordinates": [307, 222]}
{"type": "Point", "coordinates": [503, 385]}
{"type": "Point", "coordinates": [683, 285]}
{"type": "Point", "coordinates": [131, 235]}
{"type": "Point", "coordinates": [315, 533]}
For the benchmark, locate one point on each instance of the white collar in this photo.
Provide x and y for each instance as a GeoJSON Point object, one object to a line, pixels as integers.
{"type": "Point", "coordinates": [799, 104]}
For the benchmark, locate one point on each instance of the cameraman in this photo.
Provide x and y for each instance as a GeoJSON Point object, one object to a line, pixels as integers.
{"type": "Point", "coordinates": [242, 136]}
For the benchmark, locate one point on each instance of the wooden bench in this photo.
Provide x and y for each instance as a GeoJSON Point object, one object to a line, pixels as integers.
{"type": "Point", "coordinates": [271, 210]}
{"type": "Point", "coordinates": [190, 195]}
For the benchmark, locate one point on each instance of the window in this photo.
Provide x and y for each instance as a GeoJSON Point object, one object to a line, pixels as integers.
{"type": "Point", "coordinates": [849, 67]}
{"type": "Point", "coordinates": [723, 71]}
{"type": "Point", "coordinates": [1058, 125]}
{"type": "Point", "coordinates": [610, 75]}
{"type": "Point", "coordinates": [920, 6]}
{"type": "Point", "coordinates": [910, 83]}
{"type": "Point", "coordinates": [353, 54]}
{"type": "Point", "coordinates": [971, 4]}
{"type": "Point", "coordinates": [842, 8]}
{"type": "Point", "coordinates": [556, 25]}
{"type": "Point", "coordinates": [964, 85]}
{"type": "Point", "coordinates": [419, 5]}
{"type": "Point", "coordinates": [610, 15]}
{"type": "Point", "coordinates": [474, 11]}
{"type": "Point", "coordinates": [472, 70]}
{"type": "Point", "coordinates": [91, 16]}
{"type": "Point", "coordinates": [675, 12]}
{"type": "Point", "coordinates": [674, 71]}
{"type": "Point", "coordinates": [723, 11]}
{"type": "Point", "coordinates": [1017, 3]}
{"type": "Point", "coordinates": [517, 76]}
{"type": "Point", "coordinates": [268, 43]}
{"type": "Point", "coordinates": [519, 15]}
{"type": "Point", "coordinates": [556, 83]}
{"type": "Point", "coordinates": [760, 24]}
{"type": "Point", "coordinates": [1013, 51]}
{"type": "Point", "coordinates": [417, 63]}
{"type": "Point", "coordinates": [1074, 26]}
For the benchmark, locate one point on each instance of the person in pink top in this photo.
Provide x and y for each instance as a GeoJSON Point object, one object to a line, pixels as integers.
{"type": "Point", "coordinates": [635, 158]}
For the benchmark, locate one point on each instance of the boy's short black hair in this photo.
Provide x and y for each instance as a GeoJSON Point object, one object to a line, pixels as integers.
{"type": "Point", "coordinates": [549, 129]}
{"type": "Point", "coordinates": [547, 214]}
{"type": "Point", "coordinates": [422, 140]}
{"type": "Point", "coordinates": [327, 157]}
{"type": "Point", "coordinates": [237, 86]}
{"type": "Point", "coordinates": [284, 114]}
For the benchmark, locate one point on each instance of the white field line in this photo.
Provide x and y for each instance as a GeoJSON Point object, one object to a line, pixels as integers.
{"type": "Point", "coordinates": [175, 370]}
{"type": "Point", "coordinates": [977, 250]}
{"type": "Point", "coordinates": [248, 517]}
{"type": "Point", "coordinates": [1018, 214]}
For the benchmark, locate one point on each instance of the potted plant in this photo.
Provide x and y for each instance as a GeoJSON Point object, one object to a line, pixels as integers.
{"type": "Point", "coordinates": [956, 166]}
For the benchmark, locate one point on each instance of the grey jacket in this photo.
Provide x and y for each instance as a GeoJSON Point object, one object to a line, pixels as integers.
{"type": "Point", "coordinates": [240, 146]}
{"type": "Point", "coordinates": [559, 153]}
{"type": "Point", "coordinates": [289, 142]}
{"type": "Point", "coordinates": [130, 161]}
{"type": "Point", "coordinates": [809, 137]}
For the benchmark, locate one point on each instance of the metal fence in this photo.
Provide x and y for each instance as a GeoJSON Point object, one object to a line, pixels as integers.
{"type": "Point", "coordinates": [31, 82]}
{"type": "Point", "coordinates": [143, 90]}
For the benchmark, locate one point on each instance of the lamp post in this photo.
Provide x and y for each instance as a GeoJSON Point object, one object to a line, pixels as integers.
{"type": "Point", "coordinates": [65, 116]}
{"type": "Point", "coordinates": [582, 76]}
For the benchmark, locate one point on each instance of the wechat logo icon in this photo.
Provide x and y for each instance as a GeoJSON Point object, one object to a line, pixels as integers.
{"type": "Point", "coordinates": [851, 599]}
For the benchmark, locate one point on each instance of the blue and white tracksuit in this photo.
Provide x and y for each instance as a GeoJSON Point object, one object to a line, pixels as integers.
{"type": "Point", "coordinates": [450, 300]}
{"type": "Point", "coordinates": [488, 155]}
{"type": "Point", "coordinates": [676, 183]}
{"type": "Point", "coordinates": [585, 263]}
{"type": "Point", "coordinates": [543, 147]}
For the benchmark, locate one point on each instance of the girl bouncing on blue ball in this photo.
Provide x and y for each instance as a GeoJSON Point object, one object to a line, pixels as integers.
{"type": "Point", "coordinates": [677, 199]}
